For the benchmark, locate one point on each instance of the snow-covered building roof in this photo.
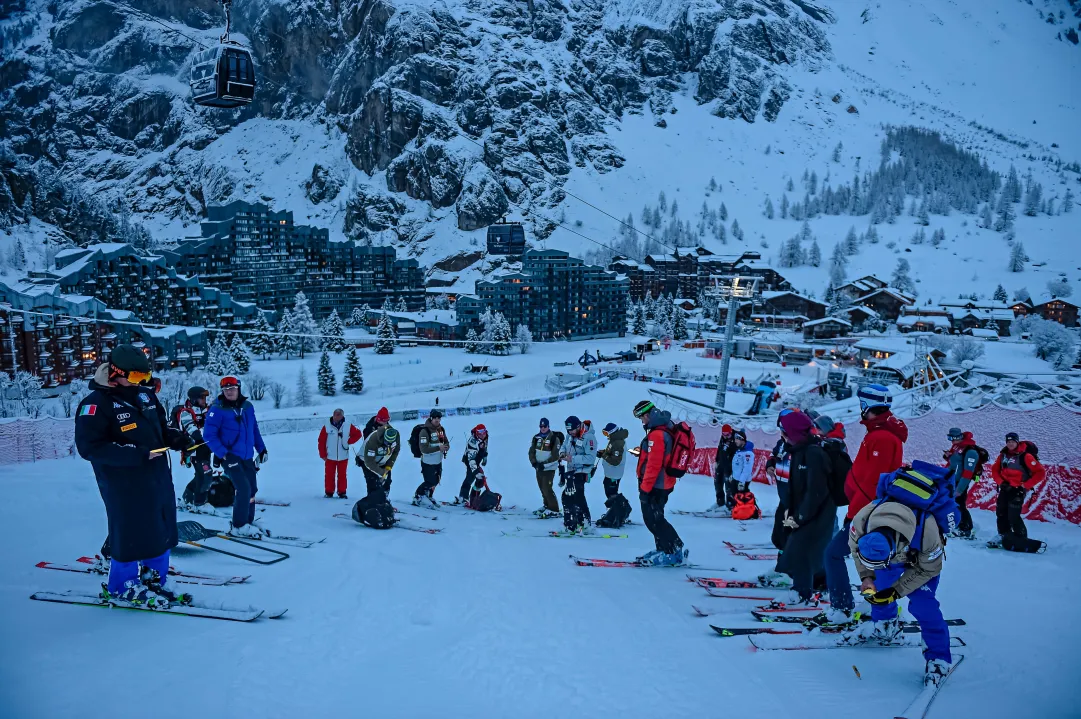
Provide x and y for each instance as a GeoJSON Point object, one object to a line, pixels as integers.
{"type": "Point", "coordinates": [865, 284]}
{"type": "Point", "coordinates": [936, 320]}
{"type": "Point", "coordinates": [959, 313]}
{"type": "Point", "coordinates": [890, 291]}
{"type": "Point", "coordinates": [662, 258]}
{"type": "Point", "coordinates": [1044, 299]}
{"type": "Point", "coordinates": [825, 320]}
{"type": "Point", "coordinates": [774, 294]}
{"type": "Point", "coordinates": [982, 333]}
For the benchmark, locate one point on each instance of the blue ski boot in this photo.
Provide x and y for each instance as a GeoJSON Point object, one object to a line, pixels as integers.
{"type": "Point", "coordinates": [650, 558]}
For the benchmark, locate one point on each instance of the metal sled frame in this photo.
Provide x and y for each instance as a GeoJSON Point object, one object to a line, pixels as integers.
{"type": "Point", "coordinates": [192, 532]}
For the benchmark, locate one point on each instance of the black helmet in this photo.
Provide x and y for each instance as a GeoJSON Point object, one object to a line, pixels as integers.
{"type": "Point", "coordinates": [129, 358]}
{"type": "Point", "coordinates": [642, 408]}
{"type": "Point", "coordinates": [196, 392]}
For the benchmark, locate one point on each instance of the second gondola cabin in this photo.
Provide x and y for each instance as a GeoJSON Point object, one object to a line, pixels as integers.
{"type": "Point", "coordinates": [223, 76]}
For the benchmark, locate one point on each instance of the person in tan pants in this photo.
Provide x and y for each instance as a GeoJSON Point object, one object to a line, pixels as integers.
{"type": "Point", "coordinates": [544, 458]}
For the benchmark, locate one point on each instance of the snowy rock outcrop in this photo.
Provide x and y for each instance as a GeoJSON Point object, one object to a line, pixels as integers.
{"type": "Point", "coordinates": [466, 103]}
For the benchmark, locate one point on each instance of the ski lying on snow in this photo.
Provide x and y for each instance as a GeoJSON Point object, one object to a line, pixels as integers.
{"type": "Point", "coordinates": [206, 581]}
{"type": "Point", "coordinates": [562, 535]}
{"type": "Point", "coordinates": [585, 562]}
{"type": "Point", "coordinates": [770, 557]}
{"type": "Point", "coordinates": [812, 629]}
{"type": "Point", "coordinates": [818, 640]}
{"type": "Point", "coordinates": [398, 524]}
{"type": "Point", "coordinates": [738, 546]}
{"type": "Point", "coordinates": [416, 514]}
{"type": "Point", "coordinates": [757, 594]}
{"type": "Point", "coordinates": [271, 502]}
{"type": "Point", "coordinates": [174, 572]}
{"type": "Point", "coordinates": [718, 582]}
{"type": "Point", "coordinates": [207, 612]}
{"type": "Point", "coordinates": [922, 703]}
{"type": "Point", "coordinates": [819, 620]}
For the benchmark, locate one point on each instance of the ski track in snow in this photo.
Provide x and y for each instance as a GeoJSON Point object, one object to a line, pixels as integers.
{"type": "Point", "coordinates": [469, 623]}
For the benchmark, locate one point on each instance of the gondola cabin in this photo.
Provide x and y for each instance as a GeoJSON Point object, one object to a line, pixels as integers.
{"type": "Point", "coordinates": [506, 238]}
{"type": "Point", "coordinates": [223, 76]}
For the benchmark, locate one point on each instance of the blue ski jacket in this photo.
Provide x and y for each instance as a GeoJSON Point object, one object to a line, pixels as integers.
{"type": "Point", "coordinates": [231, 428]}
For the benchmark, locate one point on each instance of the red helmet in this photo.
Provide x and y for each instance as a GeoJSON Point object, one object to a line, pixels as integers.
{"type": "Point", "coordinates": [726, 430]}
{"type": "Point", "coordinates": [229, 381]}
{"type": "Point", "coordinates": [383, 415]}
{"type": "Point", "coordinates": [480, 430]}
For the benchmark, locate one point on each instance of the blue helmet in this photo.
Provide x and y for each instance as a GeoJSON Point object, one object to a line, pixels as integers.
{"type": "Point", "coordinates": [874, 395]}
{"type": "Point", "coordinates": [876, 549]}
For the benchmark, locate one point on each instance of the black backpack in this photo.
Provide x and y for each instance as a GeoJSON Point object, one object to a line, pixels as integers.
{"type": "Point", "coordinates": [486, 501]}
{"type": "Point", "coordinates": [619, 511]}
{"type": "Point", "coordinates": [414, 440]}
{"type": "Point", "coordinates": [174, 416]}
{"type": "Point", "coordinates": [221, 493]}
{"type": "Point", "coordinates": [841, 463]}
{"type": "Point", "coordinates": [374, 512]}
{"type": "Point", "coordinates": [983, 457]}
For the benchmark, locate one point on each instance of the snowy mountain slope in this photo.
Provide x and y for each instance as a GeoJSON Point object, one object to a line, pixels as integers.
{"type": "Point", "coordinates": [364, 114]}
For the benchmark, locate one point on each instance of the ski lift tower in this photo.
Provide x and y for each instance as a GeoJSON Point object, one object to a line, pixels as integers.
{"type": "Point", "coordinates": [735, 289]}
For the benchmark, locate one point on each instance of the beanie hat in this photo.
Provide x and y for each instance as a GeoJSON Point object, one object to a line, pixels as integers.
{"type": "Point", "coordinates": [797, 426]}
{"type": "Point", "coordinates": [129, 358]}
{"type": "Point", "coordinates": [435, 414]}
{"type": "Point", "coordinates": [824, 424]}
{"type": "Point", "coordinates": [643, 408]}
{"type": "Point", "coordinates": [954, 433]}
{"type": "Point", "coordinates": [875, 547]}
{"type": "Point", "coordinates": [739, 432]}
{"type": "Point", "coordinates": [1014, 436]}
{"type": "Point", "coordinates": [544, 422]}
{"type": "Point", "coordinates": [573, 423]}
{"type": "Point", "coordinates": [383, 415]}
{"type": "Point", "coordinates": [609, 428]}
{"type": "Point", "coordinates": [726, 430]}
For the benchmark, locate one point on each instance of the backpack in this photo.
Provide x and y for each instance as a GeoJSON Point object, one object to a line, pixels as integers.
{"type": "Point", "coordinates": [983, 458]}
{"type": "Point", "coordinates": [619, 510]}
{"type": "Point", "coordinates": [485, 501]}
{"type": "Point", "coordinates": [221, 493]}
{"type": "Point", "coordinates": [679, 461]}
{"type": "Point", "coordinates": [1031, 448]}
{"type": "Point", "coordinates": [923, 489]}
{"type": "Point", "coordinates": [841, 463]}
{"type": "Point", "coordinates": [375, 512]}
{"type": "Point", "coordinates": [746, 506]}
{"type": "Point", "coordinates": [414, 440]}
{"type": "Point", "coordinates": [174, 416]}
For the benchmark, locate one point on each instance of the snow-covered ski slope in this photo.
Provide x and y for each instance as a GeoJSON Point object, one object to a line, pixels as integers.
{"type": "Point", "coordinates": [469, 623]}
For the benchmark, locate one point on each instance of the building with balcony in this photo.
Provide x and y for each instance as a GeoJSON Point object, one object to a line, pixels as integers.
{"type": "Point", "coordinates": [557, 296]}
{"type": "Point", "coordinates": [686, 272]}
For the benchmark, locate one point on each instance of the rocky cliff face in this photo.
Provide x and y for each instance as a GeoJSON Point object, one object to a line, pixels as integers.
{"type": "Point", "coordinates": [471, 104]}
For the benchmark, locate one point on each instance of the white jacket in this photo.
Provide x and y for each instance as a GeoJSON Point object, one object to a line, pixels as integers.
{"type": "Point", "coordinates": [338, 440]}
{"type": "Point", "coordinates": [743, 464]}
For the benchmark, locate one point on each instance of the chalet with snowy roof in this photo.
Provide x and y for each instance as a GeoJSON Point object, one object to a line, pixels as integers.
{"type": "Point", "coordinates": [979, 315]}
{"type": "Point", "coordinates": [861, 287]}
{"type": "Point", "coordinates": [859, 315]}
{"type": "Point", "coordinates": [783, 309]}
{"type": "Point", "coordinates": [1056, 309]}
{"type": "Point", "coordinates": [826, 328]}
{"type": "Point", "coordinates": [886, 301]}
{"type": "Point", "coordinates": [923, 319]}
{"type": "Point", "coordinates": [885, 361]}
{"type": "Point", "coordinates": [1021, 308]}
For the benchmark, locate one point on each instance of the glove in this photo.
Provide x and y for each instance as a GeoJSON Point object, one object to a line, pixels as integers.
{"type": "Point", "coordinates": [790, 522]}
{"type": "Point", "coordinates": [356, 458]}
{"type": "Point", "coordinates": [592, 471]}
{"type": "Point", "coordinates": [562, 479]}
{"type": "Point", "coordinates": [263, 456]}
{"type": "Point", "coordinates": [883, 596]}
{"type": "Point", "coordinates": [217, 462]}
{"type": "Point", "coordinates": [185, 460]}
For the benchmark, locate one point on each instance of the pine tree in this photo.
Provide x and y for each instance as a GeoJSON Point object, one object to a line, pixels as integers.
{"type": "Point", "coordinates": [325, 379]}
{"type": "Point", "coordinates": [662, 202]}
{"type": "Point", "coordinates": [261, 343]}
{"type": "Point", "coordinates": [872, 235]}
{"type": "Point", "coordinates": [852, 242]}
{"type": "Point", "coordinates": [221, 362]}
{"type": "Point", "coordinates": [1022, 295]}
{"type": "Point", "coordinates": [784, 207]}
{"type": "Point", "coordinates": [523, 338]}
{"type": "Point", "coordinates": [384, 345]}
{"type": "Point", "coordinates": [814, 255]}
{"type": "Point", "coordinates": [639, 326]}
{"type": "Point", "coordinates": [675, 208]}
{"type": "Point", "coordinates": [1004, 221]}
{"type": "Point", "coordinates": [723, 213]}
{"type": "Point", "coordinates": [986, 218]}
{"type": "Point", "coordinates": [333, 333]}
{"type": "Point", "coordinates": [285, 342]}
{"type": "Point", "coordinates": [303, 393]}
{"type": "Point", "coordinates": [812, 183]}
{"type": "Point", "coordinates": [924, 217]}
{"type": "Point", "coordinates": [737, 231]}
{"type": "Point", "coordinates": [241, 355]}
{"type": "Point", "coordinates": [769, 209]}
{"type": "Point", "coordinates": [500, 343]}
{"type": "Point", "coordinates": [1033, 198]}
{"type": "Point", "coordinates": [679, 325]}
{"type": "Point", "coordinates": [353, 375]}
{"type": "Point", "coordinates": [938, 237]}
{"type": "Point", "coordinates": [1018, 258]}
{"type": "Point", "coordinates": [838, 265]}
{"type": "Point", "coordinates": [1067, 202]}
{"type": "Point", "coordinates": [471, 345]}
{"type": "Point", "coordinates": [1000, 295]}
{"type": "Point", "coordinates": [837, 152]}
{"type": "Point", "coordinates": [712, 185]}
{"type": "Point", "coordinates": [304, 325]}
{"type": "Point", "coordinates": [402, 306]}
{"type": "Point", "coordinates": [790, 186]}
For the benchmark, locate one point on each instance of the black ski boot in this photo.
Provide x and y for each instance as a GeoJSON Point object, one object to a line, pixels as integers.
{"type": "Point", "coordinates": [153, 582]}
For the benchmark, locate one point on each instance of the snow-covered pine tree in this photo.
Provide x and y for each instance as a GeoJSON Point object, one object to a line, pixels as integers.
{"type": "Point", "coordinates": [662, 202]}
{"type": "Point", "coordinates": [852, 242]}
{"type": "Point", "coordinates": [712, 185]}
{"type": "Point", "coordinates": [918, 237]}
{"type": "Point", "coordinates": [261, 343]}
{"type": "Point", "coordinates": [285, 343]}
{"type": "Point", "coordinates": [812, 183]}
{"type": "Point", "coordinates": [500, 335]}
{"type": "Point", "coordinates": [836, 157]}
{"type": "Point", "coordinates": [304, 325]}
{"type": "Point", "coordinates": [872, 235]}
{"type": "Point", "coordinates": [384, 345]}
{"type": "Point", "coordinates": [987, 220]}
{"type": "Point", "coordinates": [737, 231]}
{"type": "Point", "coordinates": [1006, 215]}
{"type": "Point", "coordinates": [333, 333]}
{"type": "Point", "coordinates": [1022, 295]}
{"type": "Point", "coordinates": [723, 213]}
{"type": "Point", "coordinates": [238, 348]}
{"type": "Point", "coordinates": [790, 186]}
{"type": "Point", "coordinates": [1000, 295]}
{"type": "Point", "coordinates": [1018, 258]}
{"type": "Point", "coordinates": [938, 237]}
{"type": "Point", "coordinates": [838, 265]}
{"type": "Point", "coordinates": [839, 304]}
{"type": "Point", "coordinates": [639, 325]}
{"type": "Point", "coordinates": [402, 306]}
{"type": "Point", "coordinates": [303, 394]}
{"type": "Point", "coordinates": [924, 218]}
{"type": "Point", "coordinates": [1067, 202]}
{"type": "Point", "coordinates": [353, 374]}
{"type": "Point", "coordinates": [1012, 187]}
{"type": "Point", "coordinates": [769, 209]}
{"type": "Point", "coordinates": [679, 325]}
{"type": "Point", "coordinates": [784, 207]}
{"type": "Point", "coordinates": [814, 255]}
{"type": "Point", "coordinates": [471, 344]}
{"type": "Point", "coordinates": [1033, 199]}
{"type": "Point", "coordinates": [523, 338]}
{"type": "Point", "coordinates": [325, 379]}
{"type": "Point", "coordinates": [901, 279]}
{"type": "Point", "coordinates": [675, 208]}
{"type": "Point", "coordinates": [221, 358]}
{"type": "Point", "coordinates": [1059, 287]}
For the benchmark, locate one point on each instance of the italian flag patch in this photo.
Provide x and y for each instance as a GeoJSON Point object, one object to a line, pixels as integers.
{"type": "Point", "coordinates": [88, 410]}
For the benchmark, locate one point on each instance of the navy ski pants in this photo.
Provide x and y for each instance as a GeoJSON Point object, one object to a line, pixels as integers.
{"type": "Point", "coordinates": [241, 472]}
{"type": "Point", "coordinates": [923, 606]}
{"type": "Point", "coordinates": [836, 567]}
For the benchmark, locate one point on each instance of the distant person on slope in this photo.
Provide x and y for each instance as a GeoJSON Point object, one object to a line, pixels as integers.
{"type": "Point", "coordinates": [429, 441]}
{"type": "Point", "coordinates": [232, 433]}
{"type": "Point", "coordinates": [1016, 471]}
{"type": "Point", "coordinates": [121, 429]}
{"type": "Point", "coordinates": [655, 485]}
{"type": "Point", "coordinates": [965, 460]}
{"type": "Point", "coordinates": [335, 438]}
{"type": "Point", "coordinates": [744, 505]}
{"type": "Point", "coordinates": [579, 451]}
{"type": "Point", "coordinates": [544, 458]}
{"type": "Point", "coordinates": [881, 452]}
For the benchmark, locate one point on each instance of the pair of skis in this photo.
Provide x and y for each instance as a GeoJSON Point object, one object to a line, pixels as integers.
{"type": "Point", "coordinates": [561, 534]}
{"type": "Point", "coordinates": [752, 551]}
{"type": "Point", "coordinates": [197, 609]}
{"type": "Point", "coordinates": [636, 564]}
{"type": "Point", "coordinates": [94, 565]}
{"type": "Point", "coordinates": [808, 628]}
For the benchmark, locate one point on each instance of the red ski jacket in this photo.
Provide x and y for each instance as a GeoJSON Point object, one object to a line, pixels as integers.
{"type": "Point", "coordinates": [881, 451]}
{"type": "Point", "coordinates": [654, 451]}
{"type": "Point", "coordinates": [1019, 469]}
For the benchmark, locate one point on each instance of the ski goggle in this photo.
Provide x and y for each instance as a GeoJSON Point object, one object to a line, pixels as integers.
{"type": "Point", "coordinates": [482, 433]}
{"type": "Point", "coordinates": [132, 376]}
{"type": "Point", "coordinates": [230, 381]}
